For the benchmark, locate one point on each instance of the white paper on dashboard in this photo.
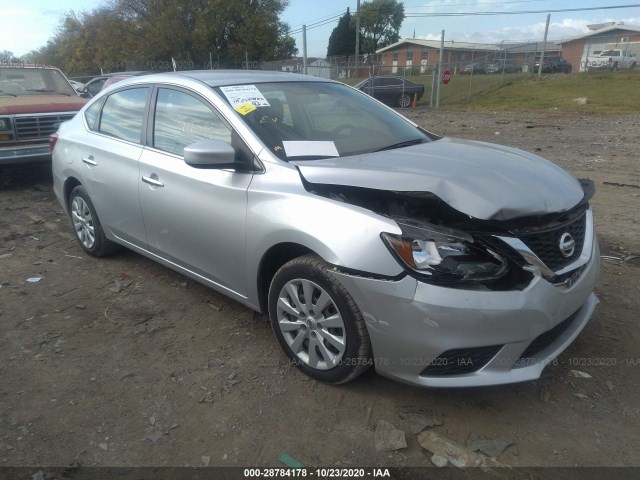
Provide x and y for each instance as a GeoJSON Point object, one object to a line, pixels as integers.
{"type": "Point", "coordinates": [241, 94]}
{"type": "Point", "coordinates": [310, 148]}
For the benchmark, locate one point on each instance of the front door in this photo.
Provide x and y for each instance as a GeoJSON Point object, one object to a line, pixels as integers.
{"type": "Point", "coordinates": [194, 217]}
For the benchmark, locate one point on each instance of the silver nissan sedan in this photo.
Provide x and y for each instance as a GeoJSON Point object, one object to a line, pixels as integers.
{"type": "Point", "coordinates": [367, 240]}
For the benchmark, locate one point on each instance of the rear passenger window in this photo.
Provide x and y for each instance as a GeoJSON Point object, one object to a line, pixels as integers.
{"type": "Point", "coordinates": [92, 114]}
{"type": "Point", "coordinates": [123, 114]}
{"type": "Point", "coordinates": [182, 119]}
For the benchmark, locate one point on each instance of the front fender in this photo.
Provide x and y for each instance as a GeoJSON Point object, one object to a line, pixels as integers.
{"type": "Point", "coordinates": [282, 211]}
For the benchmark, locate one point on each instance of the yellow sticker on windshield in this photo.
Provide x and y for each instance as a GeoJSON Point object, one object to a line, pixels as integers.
{"type": "Point", "coordinates": [245, 108]}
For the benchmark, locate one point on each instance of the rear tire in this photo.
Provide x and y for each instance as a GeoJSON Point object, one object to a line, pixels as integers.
{"type": "Point", "coordinates": [87, 226]}
{"type": "Point", "coordinates": [317, 322]}
{"type": "Point", "coordinates": [404, 100]}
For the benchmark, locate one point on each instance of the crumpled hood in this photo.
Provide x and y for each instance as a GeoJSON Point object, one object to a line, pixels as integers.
{"type": "Point", "coordinates": [25, 104]}
{"type": "Point", "coordinates": [483, 180]}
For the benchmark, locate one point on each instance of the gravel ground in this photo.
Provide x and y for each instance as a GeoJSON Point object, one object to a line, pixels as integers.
{"type": "Point", "coordinates": [122, 362]}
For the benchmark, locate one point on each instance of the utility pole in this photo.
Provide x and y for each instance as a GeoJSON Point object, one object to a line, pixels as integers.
{"type": "Point", "coordinates": [544, 44]}
{"type": "Point", "coordinates": [439, 79]}
{"type": "Point", "coordinates": [504, 60]}
{"type": "Point", "coordinates": [357, 35]}
{"type": "Point", "coordinates": [304, 49]}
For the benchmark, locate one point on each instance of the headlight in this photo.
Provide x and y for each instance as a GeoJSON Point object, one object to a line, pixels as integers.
{"type": "Point", "coordinates": [442, 255]}
{"type": "Point", "coordinates": [4, 124]}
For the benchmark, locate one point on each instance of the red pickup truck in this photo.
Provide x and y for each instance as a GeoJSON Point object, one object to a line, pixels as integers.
{"type": "Point", "coordinates": [33, 102]}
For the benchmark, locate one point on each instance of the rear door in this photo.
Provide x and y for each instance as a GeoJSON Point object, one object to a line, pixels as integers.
{"type": "Point", "coordinates": [109, 157]}
{"type": "Point", "coordinates": [194, 217]}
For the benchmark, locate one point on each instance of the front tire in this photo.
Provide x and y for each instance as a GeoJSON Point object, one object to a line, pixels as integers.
{"type": "Point", "coordinates": [87, 225]}
{"type": "Point", "coordinates": [317, 322]}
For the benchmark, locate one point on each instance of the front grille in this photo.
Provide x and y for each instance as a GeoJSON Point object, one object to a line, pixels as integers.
{"type": "Point", "coordinates": [40, 127]}
{"type": "Point", "coordinates": [546, 245]}
{"type": "Point", "coordinates": [545, 339]}
{"type": "Point", "coordinates": [461, 361]}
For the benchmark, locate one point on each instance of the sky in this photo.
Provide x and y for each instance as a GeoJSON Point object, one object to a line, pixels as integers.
{"type": "Point", "coordinates": [28, 24]}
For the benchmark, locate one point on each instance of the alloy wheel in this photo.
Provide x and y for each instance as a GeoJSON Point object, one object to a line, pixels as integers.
{"type": "Point", "coordinates": [405, 100]}
{"type": "Point", "coordinates": [311, 324]}
{"type": "Point", "coordinates": [83, 222]}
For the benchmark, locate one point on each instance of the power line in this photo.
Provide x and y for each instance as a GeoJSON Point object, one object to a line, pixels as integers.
{"type": "Point", "coordinates": [497, 4]}
{"type": "Point", "coordinates": [521, 12]}
{"type": "Point", "coordinates": [317, 24]}
{"type": "Point", "coordinates": [334, 18]}
{"type": "Point", "coordinates": [322, 18]}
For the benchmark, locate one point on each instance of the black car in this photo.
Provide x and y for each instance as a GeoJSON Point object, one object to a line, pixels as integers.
{"type": "Point", "coordinates": [552, 65]}
{"type": "Point", "coordinates": [499, 67]}
{"type": "Point", "coordinates": [392, 90]}
{"type": "Point", "coordinates": [473, 68]}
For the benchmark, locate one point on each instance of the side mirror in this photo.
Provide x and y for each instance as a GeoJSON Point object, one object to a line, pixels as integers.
{"type": "Point", "coordinates": [210, 154]}
{"type": "Point", "coordinates": [84, 92]}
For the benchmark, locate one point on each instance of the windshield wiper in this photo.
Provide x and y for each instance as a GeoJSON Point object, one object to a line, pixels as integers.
{"type": "Point", "coordinates": [44, 90]}
{"type": "Point", "coordinates": [406, 143]}
{"type": "Point", "coordinates": [8, 94]}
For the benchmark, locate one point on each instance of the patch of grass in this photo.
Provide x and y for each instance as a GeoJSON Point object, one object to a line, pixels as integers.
{"type": "Point", "coordinates": [606, 92]}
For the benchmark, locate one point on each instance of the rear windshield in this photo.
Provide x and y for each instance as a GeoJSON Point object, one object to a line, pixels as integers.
{"type": "Point", "coordinates": [34, 81]}
{"type": "Point", "coordinates": [312, 120]}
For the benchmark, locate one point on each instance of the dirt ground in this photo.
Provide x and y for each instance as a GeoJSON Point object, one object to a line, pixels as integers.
{"type": "Point", "coordinates": [122, 362]}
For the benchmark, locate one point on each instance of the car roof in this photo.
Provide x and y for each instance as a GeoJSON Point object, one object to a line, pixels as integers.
{"type": "Point", "coordinates": [218, 78]}
{"type": "Point", "coordinates": [128, 74]}
{"type": "Point", "coordinates": [21, 66]}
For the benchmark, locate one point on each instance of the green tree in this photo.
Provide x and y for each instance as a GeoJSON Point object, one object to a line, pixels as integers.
{"type": "Point", "coordinates": [342, 41]}
{"type": "Point", "coordinates": [380, 22]}
{"type": "Point", "coordinates": [286, 45]}
{"type": "Point", "coordinates": [146, 34]}
{"type": "Point", "coordinates": [249, 29]}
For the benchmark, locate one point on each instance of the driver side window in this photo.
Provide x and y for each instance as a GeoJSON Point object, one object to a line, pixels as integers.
{"type": "Point", "coordinates": [182, 119]}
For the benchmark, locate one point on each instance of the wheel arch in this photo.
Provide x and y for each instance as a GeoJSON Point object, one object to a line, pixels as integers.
{"type": "Point", "coordinates": [69, 184]}
{"type": "Point", "coordinates": [271, 261]}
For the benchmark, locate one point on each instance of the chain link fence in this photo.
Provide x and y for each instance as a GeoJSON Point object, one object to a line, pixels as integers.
{"type": "Point", "coordinates": [474, 68]}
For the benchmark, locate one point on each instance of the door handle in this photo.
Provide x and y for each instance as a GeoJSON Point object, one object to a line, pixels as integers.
{"type": "Point", "coordinates": [152, 181]}
{"type": "Point", "coordinates": [89, 160]}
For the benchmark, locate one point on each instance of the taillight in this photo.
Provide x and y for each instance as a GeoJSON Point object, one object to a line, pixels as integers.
{"type": "Point", "coordinates": [53, 138]}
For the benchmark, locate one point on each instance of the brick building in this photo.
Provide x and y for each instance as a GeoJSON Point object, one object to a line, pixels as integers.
{"type": "Point", "coordinates": [601, 37]}
{"type": "Point", "coordinates": [416, 56]}
{"type": "Point", "coordinates": [526, 53]}
{"type": "Point", "coordinates": [413, 56]}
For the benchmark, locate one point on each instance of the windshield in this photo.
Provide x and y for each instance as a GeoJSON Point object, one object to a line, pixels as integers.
{"type": "Point", "coordinates": [34, 81]}
{"type": "Point", "coordinates": [312, 120]}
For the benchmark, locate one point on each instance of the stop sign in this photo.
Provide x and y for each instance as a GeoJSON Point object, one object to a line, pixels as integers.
{"type": "Point", "coordinates": [446, 76]}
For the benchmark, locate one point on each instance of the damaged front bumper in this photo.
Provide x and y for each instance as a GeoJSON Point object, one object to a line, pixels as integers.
{"type": "Point", "coordinates": [429, 335]}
